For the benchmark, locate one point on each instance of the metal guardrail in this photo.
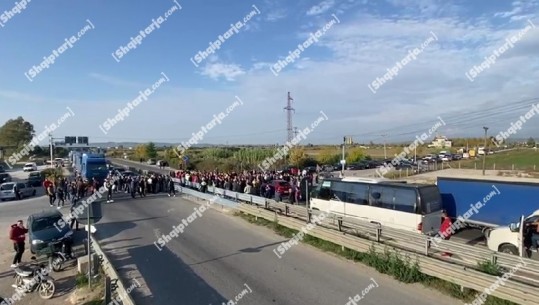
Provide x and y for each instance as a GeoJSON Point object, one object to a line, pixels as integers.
{"type": "Point", "coordinates": [116, 283]}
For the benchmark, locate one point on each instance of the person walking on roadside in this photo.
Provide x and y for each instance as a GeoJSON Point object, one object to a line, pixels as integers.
{"type": "Point", "coordinates": [52, 196]}
{"type": "Point", "coordinates": [17, 235]}
{"type": "Point", "coordinates": [60, 192]}
{"type": "Point", "coordinates": [74, 220]}
{"type": "Point", "coordinates": [171, 189]}
{"type": "Point", "coordinates": [109, 184]}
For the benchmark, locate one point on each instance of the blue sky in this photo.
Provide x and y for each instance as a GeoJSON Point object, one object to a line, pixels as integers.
{"type": "Point", "coordinates": [331, 75]}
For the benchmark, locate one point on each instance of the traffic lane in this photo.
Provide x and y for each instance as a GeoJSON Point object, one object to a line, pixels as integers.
{"type": "Point", "coordinates": [22, 175]}
{"type": "Point", "coordinates": [143, 166]}
{"type": "Point", "coordinates": [218, 254]}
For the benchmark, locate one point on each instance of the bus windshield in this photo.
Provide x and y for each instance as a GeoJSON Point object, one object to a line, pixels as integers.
{"type": "Point", "coordinates": [97, 168]}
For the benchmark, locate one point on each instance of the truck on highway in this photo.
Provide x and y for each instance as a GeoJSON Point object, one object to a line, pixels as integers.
{"type": "Point", "coordinates": [504, 210]}
{"type": "Point", "coordinates": [92, 166]}
{"type": "Point", "coordinates": [487, 203]}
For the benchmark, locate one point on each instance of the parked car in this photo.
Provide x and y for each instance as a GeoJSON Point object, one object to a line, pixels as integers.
{"type": "Point", "coordinates": [7, 190]}
{"type": "Point", "coordinates": [5, 177]}
{"type": "Point", "coordinates": [355, 166]}
{"type": "Point", "coordinates": [457, 157]}
{"type": "Point", "coordinates": [35, 179]}
{"type": "Point", "coordinates": [282, 188]}
{"type": "Point", "coordinates": [45, 227]}
{"type": "Point", "coordinates": [30, 167]}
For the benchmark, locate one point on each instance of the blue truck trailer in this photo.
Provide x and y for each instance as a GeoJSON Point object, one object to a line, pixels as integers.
{"type": "Point", "coordinates": [487, 203]}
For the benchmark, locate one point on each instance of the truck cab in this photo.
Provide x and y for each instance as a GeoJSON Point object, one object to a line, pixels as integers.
{"type": "Point", "coordinates": [514, 238]}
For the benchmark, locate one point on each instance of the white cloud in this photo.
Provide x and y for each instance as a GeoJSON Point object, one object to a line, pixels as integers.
{"type": "Point", "coordinates": [114, 81]}
{"type": "Point", "coordinates": [276, 15]}
{"type": "Point", "coordinates": [217, 70]}
{"type": "Point", "coordinates": [322, 7]}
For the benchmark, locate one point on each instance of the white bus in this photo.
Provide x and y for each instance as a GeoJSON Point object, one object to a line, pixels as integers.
{"type": "Point", "coordinates": [396, 204]}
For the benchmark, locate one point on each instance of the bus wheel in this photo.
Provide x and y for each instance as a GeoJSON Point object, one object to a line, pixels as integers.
{"type": "Point", "coordinates": [510, 249]}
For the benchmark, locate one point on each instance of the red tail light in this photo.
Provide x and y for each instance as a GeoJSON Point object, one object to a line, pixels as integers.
{"type": "Point", "coordinates": [420, 226]}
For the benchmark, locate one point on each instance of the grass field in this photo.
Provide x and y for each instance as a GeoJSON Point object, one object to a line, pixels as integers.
{"type": "Point", "coordinates": [525, 159]}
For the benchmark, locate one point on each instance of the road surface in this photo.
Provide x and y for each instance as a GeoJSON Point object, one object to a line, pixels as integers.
{"type": "Point", "coordinates": [218, 256]}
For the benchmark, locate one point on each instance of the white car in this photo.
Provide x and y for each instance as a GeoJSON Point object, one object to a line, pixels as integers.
{"type": "Point", "coordinates": [7, 190]}
{"type": "Point", "coordinates": [510, 239]}
{"type": "Point", "coordinates": [30, 167]}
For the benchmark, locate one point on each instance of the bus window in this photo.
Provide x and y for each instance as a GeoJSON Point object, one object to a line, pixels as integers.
{"type": "Point", "coordinates": [431, 200]}
{"type": "Point", "coordinates": [338, 191]}
{"type": "Point", "coordinates": [357, 193]}
{"type": "Point", "coordinates": [381, 197]}
{"type": "Point", "coordinates": [322, 192]}
{"type": "Point", "coordinates": [405, 200]}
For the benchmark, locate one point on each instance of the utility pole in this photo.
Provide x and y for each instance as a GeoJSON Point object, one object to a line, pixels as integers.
{"type": "Point", "coordinates": [50, 139]}
{"type": "Point", "coordinates": [385, 152]}
{"type": "Point", "coordinates": [343, 160]}
{"type": "Point", "coordinates": [485, 150]}
{"type": "Point", "coordinates": [289, 125]}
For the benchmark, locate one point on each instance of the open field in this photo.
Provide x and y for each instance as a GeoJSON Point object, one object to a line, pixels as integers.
{"type": "Point", "coordinates": [525, 160]}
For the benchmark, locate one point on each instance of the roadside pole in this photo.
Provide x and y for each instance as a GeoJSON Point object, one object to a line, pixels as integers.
{"type": "Point", "coordinates": [89, 252]}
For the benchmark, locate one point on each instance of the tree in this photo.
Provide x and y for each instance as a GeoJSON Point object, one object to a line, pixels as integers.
{"type": "Point", "coordinates": [297, 156]}
{"type": "Point", "coordinates": [16, 133]}
{"type": "Point", "coordinates": [531, 142]}
{"type": "Point", "coordinates": [328, 156]}
{"type": "Point", "coordinates": [151, 151]}
{"type": "Point", "coordinates": [355, 155]}
{"type": "Point", "coordinates": [140, 152]}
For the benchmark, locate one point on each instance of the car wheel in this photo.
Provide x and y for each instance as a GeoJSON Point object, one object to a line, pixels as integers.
{"type": "Point", "coordinates": [510, 249]}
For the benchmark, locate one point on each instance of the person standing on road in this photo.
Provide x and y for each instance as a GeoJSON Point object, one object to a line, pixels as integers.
{"type": "Point", "coordinates": [445, 229]}
{"type": "Point", "coordinates": [109, 184]}
{"type": "Point", "coordinates": [74, 220]}
{"type": "Point", "coordinates": [171, 189]}
{"type": "Point", "coordinates": [17, 235]}
{"type": "Point", "coordinates": [60, 192]}
{"type": "Point", "coordinates": [52, 196]}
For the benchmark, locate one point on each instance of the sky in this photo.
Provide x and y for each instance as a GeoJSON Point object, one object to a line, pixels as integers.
{"type": "Point", "coordinates": [342, 76]}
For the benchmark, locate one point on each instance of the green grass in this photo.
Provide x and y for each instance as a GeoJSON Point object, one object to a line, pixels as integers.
{"type": "Point", "coordinates": [400, 266]}
{"type": "Point", "coordinates": [524, 159]}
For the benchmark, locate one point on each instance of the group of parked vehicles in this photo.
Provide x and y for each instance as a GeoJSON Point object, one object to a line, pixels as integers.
{"type": "Point", "coordinates": [503, 210]}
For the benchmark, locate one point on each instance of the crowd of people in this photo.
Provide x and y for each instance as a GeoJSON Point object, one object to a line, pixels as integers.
{"type": "Point", "coordinates": [263, 184]}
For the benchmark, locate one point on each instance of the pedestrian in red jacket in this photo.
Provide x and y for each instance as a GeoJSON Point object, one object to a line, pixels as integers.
{"type": "Point", "coordinates": [445, 229]}
{"type": "Point", "coordinates": [17, 234]}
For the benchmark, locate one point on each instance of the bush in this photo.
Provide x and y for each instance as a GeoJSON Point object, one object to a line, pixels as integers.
{"type": "Point", "coordinates": [52, 173]}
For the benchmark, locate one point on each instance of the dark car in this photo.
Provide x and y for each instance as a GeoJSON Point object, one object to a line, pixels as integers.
{"type": "Point", "coordinates": [35, 179]}
{"type": "Point", "coordinates": [5, 177]}
{"type": "Point", "coordinates": [2, 170]}
{"type": "Point", "coordinates": [45, 227]}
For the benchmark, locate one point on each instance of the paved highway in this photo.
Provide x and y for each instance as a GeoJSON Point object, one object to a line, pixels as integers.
{"type": "Point", "coordinates": [219, 255]}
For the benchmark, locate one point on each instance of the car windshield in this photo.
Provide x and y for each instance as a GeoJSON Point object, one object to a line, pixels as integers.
{"type": "Point", "coordinates": [6, 187]}
{"type": "Point", "coordinates": [45, 223]}
{"type": "Point", "coordinates": [283, 183]}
